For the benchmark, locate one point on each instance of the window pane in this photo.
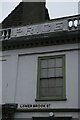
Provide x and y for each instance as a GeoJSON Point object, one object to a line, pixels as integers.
{"type": "Point", "coordinates": [59, 91]}
{"type": "Point", "coordinates": [59, 82]}
{"type": "Point", "coordinates": [44, 83]}
{"type": "Point", "coordinates": [51, 77]}
{"type": "Point", "coordinates": [58, 72]}
{"type": "Point", "coordinates": [51, 73]}
{"type": "Point", "coordinates": [52, 82]}
{"type": "Point", "coordinates": [43, 73]}
{"type": "Point", "coordinates": [44, 92]}
{"type": "Point", "coordinates": [59, 62]}
{"type": "Point", "coordinates": [44, 64]}
{"type": "Point", "coordinates": [52, 92]}
{"type": "Point", "coordinates": [51, 63]}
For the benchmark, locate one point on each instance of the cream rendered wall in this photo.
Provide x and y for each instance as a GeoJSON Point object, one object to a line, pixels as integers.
{"type": "Point", "coordinates": [20, 75]}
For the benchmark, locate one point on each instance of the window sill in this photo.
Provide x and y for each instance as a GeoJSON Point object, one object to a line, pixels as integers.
{"type": "Point", "coordinates": [62, 99]}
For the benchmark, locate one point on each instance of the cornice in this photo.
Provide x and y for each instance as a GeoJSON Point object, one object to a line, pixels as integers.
{"type": "Point", "coordinates": [57, 38]}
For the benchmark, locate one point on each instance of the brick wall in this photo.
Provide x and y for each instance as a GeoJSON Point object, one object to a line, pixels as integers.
{"type": "Point", "coordinates": [26, 13]}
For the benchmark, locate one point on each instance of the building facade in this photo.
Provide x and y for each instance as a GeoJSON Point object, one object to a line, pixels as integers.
{"type": "Point", "coordinates": [40, 70]}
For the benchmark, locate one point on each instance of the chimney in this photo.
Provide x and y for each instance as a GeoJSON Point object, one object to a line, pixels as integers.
{"type": "Point", "coordinates": [26, 13]}
{"type": "Point", "coordinates": [34, 12]}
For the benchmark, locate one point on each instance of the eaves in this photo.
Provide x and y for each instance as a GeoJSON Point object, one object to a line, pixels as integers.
{"type": "Point", "coordinates": [48, 39]}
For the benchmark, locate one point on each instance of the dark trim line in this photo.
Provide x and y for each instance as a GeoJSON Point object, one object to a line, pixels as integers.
{"type": "Point", "coordinates": [53, 118]}
{"type": "Point", "coordinates": [50, 110]}
{"type": "Point", "coordinates": [57, 51]}
{"type": "Point", "coordinates": [61, 99]}
{"type": "Point", "coordinates": [3, 60]}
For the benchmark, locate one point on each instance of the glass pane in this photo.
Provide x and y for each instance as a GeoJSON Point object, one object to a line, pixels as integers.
{"type": "Point", "coordinates": [44, 92]}
{"type": "Point", "coordinates": [44, 64]}
{"type": "Point", "coordinates": [51, 63]}
{"type": "Point", "coordinates": [59, 62]}
{"type": "Point", "coordinates": [51, 73]}
{"type": "Point", "coordinates": [59, 82]}
{"type": "Point", "coordinates": [52, 82]}
{"type": "Point", "coordinates": [59, 91]}
{"type": "Point", "coordinates": [43, 73]}
{"type": "Point", "coordinates": [44, 83]}
{"type": "Point", "coordinates": [59, 72]}
{"type": "Point", "coordinates": [52, 92]}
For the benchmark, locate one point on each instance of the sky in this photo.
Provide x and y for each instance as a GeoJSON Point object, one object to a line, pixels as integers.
{"type": "Point", "coordinates": [56, 8]}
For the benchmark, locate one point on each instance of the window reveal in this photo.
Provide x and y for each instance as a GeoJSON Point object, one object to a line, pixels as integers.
{"type": "Point", "coordinates": [51, 78]}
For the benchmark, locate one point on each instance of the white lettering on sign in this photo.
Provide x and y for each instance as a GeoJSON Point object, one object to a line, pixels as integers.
{"type": "Point", "coordinates": [33, 106]}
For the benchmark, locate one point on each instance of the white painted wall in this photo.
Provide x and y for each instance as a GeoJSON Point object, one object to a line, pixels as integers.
{"type": "Point", "coordinates": [44, 114]}
{"type": "Point", "coordinates": [0, 84]}
{"type": "Point", "coordinates": [20, 75]}
{"type": "Point", "coordinates": [9, 70]}
{"type": "Point", "coordinates": [0, 77]}
{"type": "Point", "coordinates": [79, 78]}
{"type": "Point", "coordinates": [0, 112]}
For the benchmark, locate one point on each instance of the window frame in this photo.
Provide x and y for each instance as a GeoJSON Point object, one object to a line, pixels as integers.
{"type": "Point", "coordinates": [38, 97]}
